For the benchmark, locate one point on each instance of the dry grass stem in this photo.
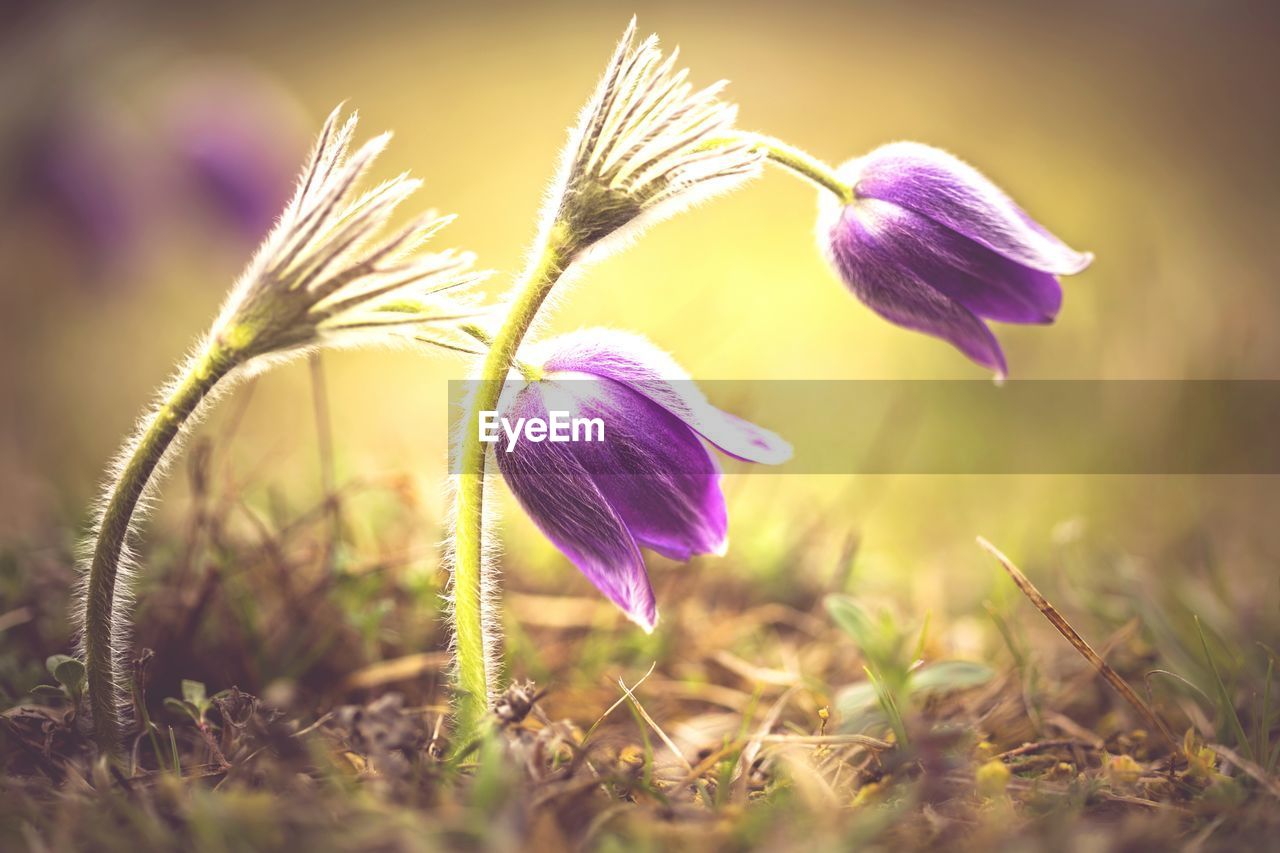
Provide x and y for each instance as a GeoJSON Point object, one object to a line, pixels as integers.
{"type": "Point", "coordinates": [1064, 628]}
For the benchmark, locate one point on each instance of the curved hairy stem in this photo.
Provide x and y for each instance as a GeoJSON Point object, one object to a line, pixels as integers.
{"type": "Point", "coordinates": [795, 160]}
{"type": "Point", "coordinates": [474, 679]}
{"type": "Point", "coordinates": [102, 622]}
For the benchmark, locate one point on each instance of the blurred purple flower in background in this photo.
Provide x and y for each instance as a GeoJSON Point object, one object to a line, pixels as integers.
{"type": "Point", "coordinates": [651, 482]}
{"type": "Point", "coordinates": [111, 180]}
{"type": "Point", "coordinates": [931, 244]}
{"type": "Point", "coordinates": [76, 166]}
{"type": "Point", "coordinates": [238, 136]}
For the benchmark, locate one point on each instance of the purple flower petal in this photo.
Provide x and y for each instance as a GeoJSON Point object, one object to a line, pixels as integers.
{"type": "Point", "coordinates": [988, 284]}
{"type": "Point", "coordinates": [562, 499]}
{"type": "Point", "coordinates": [648, 482]}
{"type": "Point", "coordinates": [653, 470]}
{"type": "Point", "coordinates": [633, 361]}
{"type": "Point", "coordinates": [952, 193]}
{"type": "Point", "coordinates": [881, 259]}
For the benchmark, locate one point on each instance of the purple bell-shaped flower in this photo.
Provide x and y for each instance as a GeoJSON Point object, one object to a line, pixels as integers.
{"type": "Point", "coordinates": [931, 244]}
{"type": "Point", "coordinates": [631, 469]}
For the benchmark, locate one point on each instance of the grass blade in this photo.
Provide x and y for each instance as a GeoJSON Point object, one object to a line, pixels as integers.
{"type": "Point", "coordinates": [1226, 707]}
{"type": "Point", "coordinates": [890, 706]}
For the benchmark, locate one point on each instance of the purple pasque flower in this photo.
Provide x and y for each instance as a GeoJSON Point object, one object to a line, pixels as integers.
{"type": "Point", "coordinates": [651, 482]}
{"type": "Point", "coordinates": [930, 243]}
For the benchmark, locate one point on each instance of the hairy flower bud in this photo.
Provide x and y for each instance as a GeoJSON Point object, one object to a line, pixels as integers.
{"type": "Point", "coordinates": [646, 145]}
{"type": "Point", "coordinates": [327, 275]}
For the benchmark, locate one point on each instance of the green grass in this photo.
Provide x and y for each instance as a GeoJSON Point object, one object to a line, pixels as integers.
{"type": "Point", "coordinates": [293, 701]}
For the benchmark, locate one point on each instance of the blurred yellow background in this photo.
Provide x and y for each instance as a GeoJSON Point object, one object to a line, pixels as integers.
{"type": "Point", "coordinates": [1143, 131]}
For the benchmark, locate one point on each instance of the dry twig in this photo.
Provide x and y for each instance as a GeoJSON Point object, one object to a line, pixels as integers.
{"type": "Point", "coordinates": [1064, 628]}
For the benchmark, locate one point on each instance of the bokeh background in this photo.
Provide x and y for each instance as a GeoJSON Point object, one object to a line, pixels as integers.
{"type": "Point", "coordinates": [145, 148]}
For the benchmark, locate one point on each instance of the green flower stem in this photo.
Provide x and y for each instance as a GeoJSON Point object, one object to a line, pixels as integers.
{"type": "Point", "coordinates": [801, 162]}
{"type": "Point", "coordinates": [473, 678]}
{"type": "Point", "coordinates": [530, 372]}
{"type": "Point", "coordinates": [166, 423]}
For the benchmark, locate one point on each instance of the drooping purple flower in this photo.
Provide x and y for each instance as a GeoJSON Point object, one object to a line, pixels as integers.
{"type": "Point", "coordinates": [651, 482]}
{"type": "Point", "coordinates": [931, 244]}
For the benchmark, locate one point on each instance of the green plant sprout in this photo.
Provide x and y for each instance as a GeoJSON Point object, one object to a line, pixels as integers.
{"type": "Point", "coordinates": [896, 674]}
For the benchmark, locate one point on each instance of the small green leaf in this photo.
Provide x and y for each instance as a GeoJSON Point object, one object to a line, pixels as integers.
{"type": "Point", "coordinates": [851, 619]}
{"type": "Point", "coordinates": [950, 675]}
{"type": "Point", "coordinates": [49, 692]}
{"type": "Point", "coordinates": [181, 706]}
{"type": "Point", "coordinates": [54, 661]}
{"type": "Point", "coordinates": [877, 637]}
{"type": "Point", "coordinates": [68, 671]}
{"type": "Point", "coordinates": [194, 693]}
